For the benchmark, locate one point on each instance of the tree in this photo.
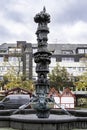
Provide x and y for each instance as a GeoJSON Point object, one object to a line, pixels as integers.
{"type": "Point", "coordinates": [27, 84]}
{"type": "Point", "coordinates": [83, 60]}
{"type": "Point", "coordinates": [59, 77]}
{"type": "Point", "coordinates": [82, 83]}
{"type": "Point", "coordinates": [12, 80]}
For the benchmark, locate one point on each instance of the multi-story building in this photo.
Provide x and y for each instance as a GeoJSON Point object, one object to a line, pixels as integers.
{"type": "Point", "coordinates": [67, 55]}
{"type": "Point", "coordinates": [8, 59]}
{"type": "Point", "coordinates": [20, 57]}
{"type": "Point", "coordinates": [17, 57]}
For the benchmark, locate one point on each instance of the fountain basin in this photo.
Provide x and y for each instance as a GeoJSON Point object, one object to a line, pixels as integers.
{"type": "Point", "coordinates": [31, 122]}
{"type": "Point", "coordinates": [55, 121]}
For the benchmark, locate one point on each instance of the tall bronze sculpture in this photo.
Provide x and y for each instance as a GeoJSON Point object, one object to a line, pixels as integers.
{"type": "Point", "coordinates": [40, 101]}
{"type": "Point", "coordinates": [42, 59]}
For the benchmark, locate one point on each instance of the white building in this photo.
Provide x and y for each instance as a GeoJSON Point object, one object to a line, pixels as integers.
{"type": "Point", "coordinates": [10, 59]}
{"type": "Point", "coordinates": [67, 99]}
{"type": "Point", "coordinates": [68, 56]}
{"type": "Point", "coordinates": [64, 100]}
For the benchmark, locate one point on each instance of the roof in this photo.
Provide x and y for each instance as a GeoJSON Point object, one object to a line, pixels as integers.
{"type": "Point", "coordinates": [17, 90]}
{"type": "Point", "coordinates": [6, 45]}
{"type": "Point", "coordinates": [69, 91]}
{"type": "Point", "coordinates": [18, 96]}
{"type": "Point", "coordinates": [60, 47]}
{"type": "Point", "coordinates": [57, 48]}
{"type": "Point", "coordinates": [54, 92]}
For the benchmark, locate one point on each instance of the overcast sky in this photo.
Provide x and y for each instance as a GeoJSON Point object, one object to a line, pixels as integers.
{"type": "Point", "coordinates": [68, 20]}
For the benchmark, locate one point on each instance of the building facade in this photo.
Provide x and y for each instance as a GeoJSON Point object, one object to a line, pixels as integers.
{"type": "Point", "coordinates": [20, 56]}
{"type": "Point", "coordinates": [68, 56]}
{"type": "Point", "coordinates": [17, 57]}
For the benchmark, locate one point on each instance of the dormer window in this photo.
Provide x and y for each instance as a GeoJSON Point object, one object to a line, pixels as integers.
{"type": "Point", "coordinates": [86, 51]}
{"type": "Point", "coordinates": [67, 52]}
{"type": "Point", "coordinates": [82, 50]}
{"type": "Point", "coordinates": [67, 59]}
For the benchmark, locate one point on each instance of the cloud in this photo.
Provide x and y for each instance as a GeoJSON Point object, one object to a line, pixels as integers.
{"type": "Point", "coordinates": [70, 33]}
{"type": "Point", "coordinates": [73, 11]}
{"type": "Point", "coordinates": [68, 20]}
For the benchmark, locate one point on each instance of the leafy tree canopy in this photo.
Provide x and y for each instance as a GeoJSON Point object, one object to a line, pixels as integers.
{"type": "Point", "coordinates": [59, 77]}
{"type": "Point", "coordinates": [82, 83]}
{"type": "Point", "coordinates": [12, 80]}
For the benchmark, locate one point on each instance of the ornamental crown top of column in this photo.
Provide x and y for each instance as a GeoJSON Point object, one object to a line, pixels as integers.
{"type": "Point", "coordinates": [42, 17]}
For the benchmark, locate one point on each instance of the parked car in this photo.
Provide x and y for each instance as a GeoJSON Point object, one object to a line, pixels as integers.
{"type": "Point", "coordinates": [14, 101]}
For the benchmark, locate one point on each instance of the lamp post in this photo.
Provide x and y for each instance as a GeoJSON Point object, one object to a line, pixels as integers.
{"type": "Point", "coordinates": [42, 59]}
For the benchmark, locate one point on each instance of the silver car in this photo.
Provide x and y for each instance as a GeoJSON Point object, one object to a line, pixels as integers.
{"type": "Point", "coordinates": [14, 101]}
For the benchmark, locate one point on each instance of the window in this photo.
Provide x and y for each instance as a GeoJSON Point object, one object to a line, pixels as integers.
{"type": "Point", "coordinates": [14, 50]}
{"type": "Point", "coordinates": [86, 51]}
{"type": "Point", "coordinates": [81, 69]}
{"type": "Point", "coordinates": [3, 51]}
{"type": "Point", "coordinates": [65, 59]}
{"type": "Point", "coordinates": [67, 51]}
{"type": "Point", "coordinates": [6, 100]}
{"type": "Point", "coordinates": [18, 50]}
{"type": "Point", "coordinates": [34, 50]}
{"type": "Point", "coordinates": [11, 50]}
{"type": "Point", "coordinates": [1, 59]}
{"type": "Point", "coordinates": [53, 61]}
{"type": "Point", "coordinates": [81, 51]}
{"type": "Point", "coordinates": [27, 57]}
{"type": "Point", "coordinates": [27, 63]}
{"type": "Point", "coordinates": [13, 59]}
